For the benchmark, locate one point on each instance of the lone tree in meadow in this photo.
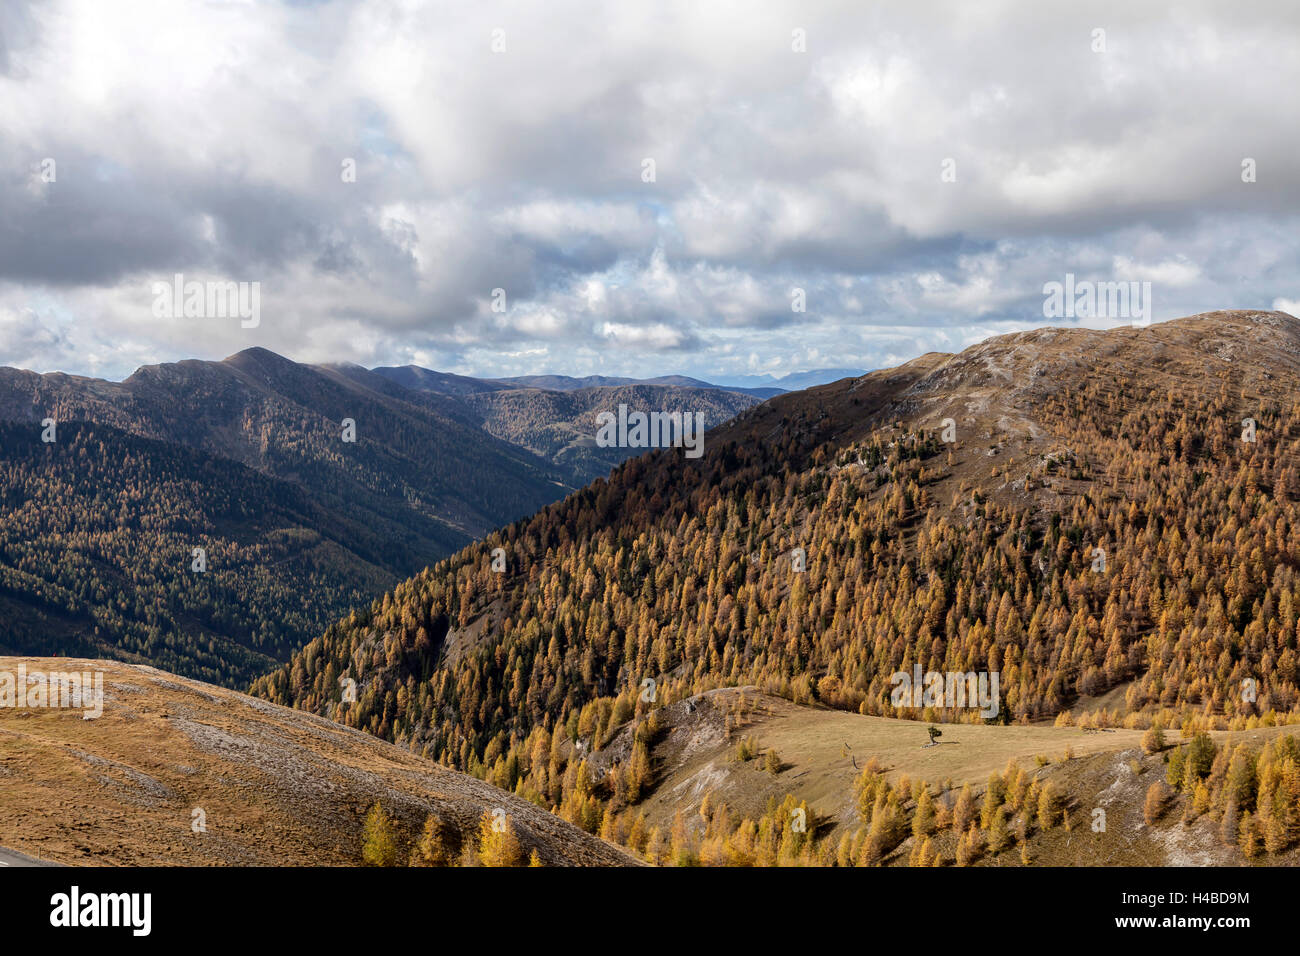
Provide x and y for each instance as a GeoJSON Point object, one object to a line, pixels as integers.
{"type": "Point", "coordinates": [935, 733]}
{"type": "Point", "coordinates": [1153, 741]}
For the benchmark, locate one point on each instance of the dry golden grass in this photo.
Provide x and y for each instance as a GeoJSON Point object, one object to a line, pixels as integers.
{"type": "Point", "coordinates": [824, 751]}
{"type": "Point", "coordinates": [278, 786]}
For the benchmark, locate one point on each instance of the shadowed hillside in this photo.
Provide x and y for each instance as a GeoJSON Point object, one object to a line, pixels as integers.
{"type": "Point", "coordinates": [246, 459]}
{"type": "Point", "coordinates": [249, 460]}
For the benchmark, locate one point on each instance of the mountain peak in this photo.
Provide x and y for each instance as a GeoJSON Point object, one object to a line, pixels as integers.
{"type": "Point", "coordinates": [256, 357]}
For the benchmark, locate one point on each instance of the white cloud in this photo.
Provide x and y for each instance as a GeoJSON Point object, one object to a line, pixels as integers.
{"type": "Point", "coordinates": [208, 137]}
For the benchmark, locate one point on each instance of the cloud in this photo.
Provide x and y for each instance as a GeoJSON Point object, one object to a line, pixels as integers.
{"type": "Point", "coordinates": [919, 172]}
{"type": "Point", "coordinates": [28, 338]}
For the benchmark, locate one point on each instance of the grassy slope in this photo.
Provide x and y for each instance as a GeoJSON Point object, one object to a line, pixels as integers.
{"type": "Point", "coordinates": [822, 752]}
{"type": "Point", "coordinates": [279, 787]}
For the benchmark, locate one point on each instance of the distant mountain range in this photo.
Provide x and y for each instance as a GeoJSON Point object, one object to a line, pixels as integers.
{"type": "Point", "coordinates": [247, 458]}
{"type": "Point", "coordinates": [555, 417]}
{"type": "Point", "coordinates": [760, 386]}
{"type": "Point", "coordinates": [794, 382]}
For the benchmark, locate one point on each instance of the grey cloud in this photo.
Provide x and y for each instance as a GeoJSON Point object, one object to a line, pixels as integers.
{"type": "Point", "coordinates": [522, 171]}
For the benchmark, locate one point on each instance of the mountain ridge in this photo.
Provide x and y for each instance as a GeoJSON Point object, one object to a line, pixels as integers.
{"type": "Point", "coordinates": [316, 525]}
{"type": "Point", "coordinates": [1071, 536]}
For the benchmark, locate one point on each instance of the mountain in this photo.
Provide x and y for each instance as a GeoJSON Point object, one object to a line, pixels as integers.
{"type": "Point", "coordinates": [284, 419]}
{"type": "Point", "coordinates": [554, 416]}
{"type": "Point", "coordinates": [797, 381]}
{"type": "Point", "coordinates": [245, 459]}
{"type": "Point", "coordinates": [561, 426]}
{"type": "Point", "coordinates": [794, 381]}
{"type": "Point", "coordinates": [567, 383]}
{"type": "Point", "coordinates": [175, 772]}
{"type": "Point", "coordinates": [423, 379]}
{"type": "Point", "coordinates": [1086, 514]}
{"type": "Point", "coordinates": [413, 376]}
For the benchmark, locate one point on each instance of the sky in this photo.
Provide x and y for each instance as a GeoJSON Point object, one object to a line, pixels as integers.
{"type": "Point", "coordinates": [632, 188]}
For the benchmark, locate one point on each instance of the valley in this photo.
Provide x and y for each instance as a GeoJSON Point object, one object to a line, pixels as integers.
{"type": "Point", "coordinates": [308, 490]}
{"type": "Point", "coordinates": [692, 660]}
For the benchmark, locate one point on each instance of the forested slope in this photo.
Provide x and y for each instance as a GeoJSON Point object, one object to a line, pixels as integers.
{"type": "Point", "coordinates": [974, 555]}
